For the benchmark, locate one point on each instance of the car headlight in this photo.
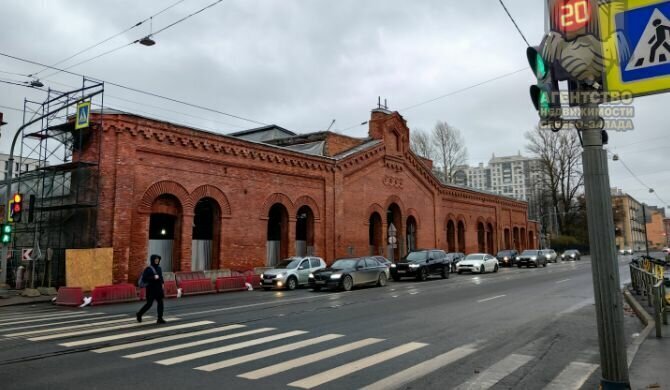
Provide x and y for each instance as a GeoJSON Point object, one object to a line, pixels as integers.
{"type": "Point", "coordinates": [280, 276]}
{"type": "Point", "coordinates": [548, 256]}
{"type": "Point", "coordinates": [414, 266]}
{"type": "Point", "coordinates": [311, 276]}
{"type": "Point", "coordinates": [573, 256]}
{"type": "Point", "coordinates": [518, 258]}
{"type": "Point", "coordinates": [534, 258]}
{"type": "Point", "coordinates": [262, 276]}
{"type": "Point", "coordinates": [335, 276]}
{"type": "Point", "coordinates": [393, 265]}
{"type": "Point", "coordinates": [505, 258]}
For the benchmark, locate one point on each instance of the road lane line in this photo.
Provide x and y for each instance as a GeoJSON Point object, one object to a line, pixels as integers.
{"type": "Point", "coordinates": [71, 327]}
{"type": "Point", "coordinates": [268, 352]}
{"type": "Point", "coordinates": [23, 327]}
{"type": "Point", "coordinates": [166, 338]}
{"type": "Point", "coordinates": [490, 299]}
{"type": "Point", "coordinates": [563, 281]}
{"type": "Point", "coordinates": [196, 343]}
{"type": "Point", "coordinates": [573, 376]}
{"type": "Point", "coordinates": [309, 359]}
{"type": "Point", "coordinates": [494, 374]}
{"type": "Point", "coordinates": [137, 333]}
{"type": "Point", "coordinates": [228, 348]}
{"type": "Point", "coordinates": [349, 368]}
{"type": "Point", "coordinates": [47, 318]}
{"type": "Point", "coordinates": [97, 330]}
{"type": "Point", "coordinates": [422, 369]}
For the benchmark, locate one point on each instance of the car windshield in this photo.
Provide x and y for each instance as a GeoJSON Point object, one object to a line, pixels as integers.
{"type": "Point", "coordinates": [570, 252]}
{"type": "Point", "coordinates": [417, 256]}
{"type": "Point", "coordinates": [474, 257]}
{"type": "Point", "coordinates": [505, 253]}
{"type": "Point", "coordinates": [344, 263]}
{"type": "Point", "coordinates": [288, 263]}
{"type": "Point", "coordinates": [530, 253]}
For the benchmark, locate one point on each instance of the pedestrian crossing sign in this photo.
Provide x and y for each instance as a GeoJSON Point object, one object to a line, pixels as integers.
{"type": "Point", "coordinates": [83, 114]}
{"type": "Point", "coordinates": [636, 42]}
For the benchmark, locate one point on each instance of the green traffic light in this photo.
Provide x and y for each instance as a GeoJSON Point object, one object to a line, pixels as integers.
{"type": "Point", "coordinates": [6, 238]}
{"type": "Point", "coordinates": [540, 67]}
{"type": "Point", "coordinates": [544, 103]}
{"type": "Point", "coordinates": [6, 229]}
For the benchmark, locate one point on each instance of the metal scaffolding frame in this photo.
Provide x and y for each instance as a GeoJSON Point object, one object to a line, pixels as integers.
{"type": "Point", "coordinates": [58, 176]}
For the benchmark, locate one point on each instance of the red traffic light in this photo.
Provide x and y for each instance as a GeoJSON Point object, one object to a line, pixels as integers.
{"type": "Point", "coordinates": [16, 207]}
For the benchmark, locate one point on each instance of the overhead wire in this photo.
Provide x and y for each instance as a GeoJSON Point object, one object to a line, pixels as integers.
{"type": "Point", "coordinates": [514, 22]}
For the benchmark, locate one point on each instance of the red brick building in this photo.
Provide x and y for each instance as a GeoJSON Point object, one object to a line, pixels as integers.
{"type": "Point", "coordinates": [238, 203]}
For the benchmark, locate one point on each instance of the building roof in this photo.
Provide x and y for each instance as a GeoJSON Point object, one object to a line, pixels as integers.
{"type": "Point", "coordinates": [263, 134]}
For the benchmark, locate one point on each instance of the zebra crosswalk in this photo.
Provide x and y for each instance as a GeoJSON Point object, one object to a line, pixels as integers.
{"type": "Point", "coordinates": [297, 358]}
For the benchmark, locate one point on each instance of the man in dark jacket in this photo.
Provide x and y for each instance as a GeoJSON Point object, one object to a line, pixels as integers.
{"type": "Point", "coordinates": [153, 279]}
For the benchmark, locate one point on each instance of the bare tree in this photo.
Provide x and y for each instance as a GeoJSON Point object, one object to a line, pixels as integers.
{"type": "Point", "coordinates": [449, 148]}
{"type": "Point", "coordinates": [421, 144]}
{"type": "Point", "coordinates": [561, 172]}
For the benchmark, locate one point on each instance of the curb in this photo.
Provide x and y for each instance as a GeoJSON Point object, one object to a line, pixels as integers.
{"type": "Point", "coordinates": [645, 318]}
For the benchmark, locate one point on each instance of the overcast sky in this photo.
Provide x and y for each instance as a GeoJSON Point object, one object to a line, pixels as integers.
{"type": "Point", "coordinates": [302, 63]}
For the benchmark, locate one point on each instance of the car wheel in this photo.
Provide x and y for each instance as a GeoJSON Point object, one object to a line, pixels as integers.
{"type": "Point", "coordinates": [267, 288]}
{"type": "Point", "coordinates": [482, 269]}
{"type": "Point", "coordinates": [381, 282]}
{"type": "Point", "coordinates": [460, 272]}
{"type": "Point", "coordinates": [347, 283]}
{"type": "Point", "coordinates": [544, 264]}
{"type": "Point", "coordinates": [445, 273]}
{"type": "Point", "coordinates": [495, 269]}
{"type": "Point", "coordinates": [519, 265]}
{"type": "Point", "coordinates": [423, 274]}
{"type": "Point", "coordinates": [291, 283]}
{"type": "Point", "coordinates": [316, 288]}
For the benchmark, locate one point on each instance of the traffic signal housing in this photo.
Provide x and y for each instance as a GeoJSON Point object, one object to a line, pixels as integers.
{"type": "Point", "coordinates": [16, 207]}
{"type": "Point", "coordinates": [6, 233]}
{"type": "Point", "coordinates": [545, 94]}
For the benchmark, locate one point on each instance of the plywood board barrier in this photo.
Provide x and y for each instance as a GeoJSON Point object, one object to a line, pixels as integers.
{"type": "Point", "coordinates": [87, 268]}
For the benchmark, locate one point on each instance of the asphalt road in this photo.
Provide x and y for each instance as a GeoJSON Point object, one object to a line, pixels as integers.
{"type": "Point", "coordinates": [519, 328]}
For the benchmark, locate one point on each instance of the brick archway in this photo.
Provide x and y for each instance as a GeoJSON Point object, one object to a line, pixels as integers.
{"type": "Point", "coordinates": [165, 188]}
{"type": "Point", "coordinates": [209, 191]}
{"type": "Point", "coordinates": [306, 200]}
{"type": "Point", "coordinates": [277, 198]}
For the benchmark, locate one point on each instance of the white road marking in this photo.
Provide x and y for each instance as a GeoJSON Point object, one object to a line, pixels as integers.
{"type": "Point", "coordinates": [314, 297]}
{"type": "Point", "coordinates": [573, 376]}
{"type": "Point", "coordinates": [492, 375]}
{"type": "Point", "coordinates": [71, 327]}
{"type": "Point", "coordinates": [267, 352]}
{"type": "Point", "coordinates": [166, 338]}
{"type": "Point", "coordinates": [45, 318]}
{"type": "Point", "coordinates": [490, 299]}
{"type": "Point", "coordinates": [23, 327]}
{"type": "Point", "coordinates": [411, 374]}
{"type": "Point", "coordinates": [137, 333]}
{"type": "Point", "coordinates": [346, 369]}
{"type": "Point", "coordinates": [562, 281]}
{"type": "Point", "coordinates": [394, 296]}
{"type": "Point", "coordinates": [228, 348]}
{"type": "Point", "coordinates": [309, 359]}
{"type": "Point", "coordinates": [196, 343]}
{"type": "Point", "coordinates": [97, 330]}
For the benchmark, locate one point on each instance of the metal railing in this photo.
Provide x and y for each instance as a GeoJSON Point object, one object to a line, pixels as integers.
{"type": "Point", "coordinates": [651, 285]}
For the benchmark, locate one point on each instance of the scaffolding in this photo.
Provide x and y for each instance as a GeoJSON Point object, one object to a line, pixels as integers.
{"type": "Point", "coordinates": [58, 177]}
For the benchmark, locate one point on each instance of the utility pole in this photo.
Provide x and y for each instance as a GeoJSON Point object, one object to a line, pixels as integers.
{"type": "Point", "coordinates": [604, 260]}
{"type": "Point", "coordinates": [644, 221]}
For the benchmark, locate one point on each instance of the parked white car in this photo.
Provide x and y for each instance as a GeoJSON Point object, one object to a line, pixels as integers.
{"type": "Point", "coordinates": [550, 255]}
{"type": "Point", "coordinates": [291, 273]}
{"type": "Point", "coordinates": [478, 262]}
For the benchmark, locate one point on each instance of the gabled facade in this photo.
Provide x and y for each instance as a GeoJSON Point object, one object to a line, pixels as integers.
{"type": "Point", "coordinates": [207, 201]}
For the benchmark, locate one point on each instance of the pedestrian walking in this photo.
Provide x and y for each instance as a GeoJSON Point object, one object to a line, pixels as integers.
{"type": "Point", "coordinates": [152, 280]}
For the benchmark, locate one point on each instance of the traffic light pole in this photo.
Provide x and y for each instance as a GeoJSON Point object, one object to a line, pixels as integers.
{"type": "Point", "coordinates": [604, 260]}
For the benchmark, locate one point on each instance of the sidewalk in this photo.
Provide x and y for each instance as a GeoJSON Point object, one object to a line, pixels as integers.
{"type": "Point", "coordinates": [650, 368]}
{"type": "Point", "coordinates": [15, 298]}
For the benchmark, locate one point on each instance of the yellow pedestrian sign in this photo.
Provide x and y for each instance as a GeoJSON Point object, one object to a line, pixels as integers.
{"type": "Point", "coordinates": [83, 115]}
{"type": "Point", "coordinates": [636, 42]}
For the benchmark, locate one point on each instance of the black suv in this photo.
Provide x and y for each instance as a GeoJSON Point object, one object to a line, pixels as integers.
{"type": "Point", "coordinates": [421, 263]}
{"type": "Point", "coordinates": [507, 258]}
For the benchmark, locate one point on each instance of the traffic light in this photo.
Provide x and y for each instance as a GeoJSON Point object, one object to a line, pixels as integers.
{"type": "Point", "coordinates": [16, 207]}
{"type": "Point", "coordinates": [6, 236]}
{"type": "Point", "coordinates": [545, 94]}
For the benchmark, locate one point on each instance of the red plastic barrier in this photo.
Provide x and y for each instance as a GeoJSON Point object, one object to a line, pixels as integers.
{"type": "Point", "coordinates": [169, 289]}
{"type": "Point", "coordinates": [192, 275]}
{"type": "Point", "coordinates": [232, 283]}
{"type": "Point", "coordinates": [70, 296]}
{"type": "Point", "coordinates": [194, 287]}
{"type": "Point", "coordinates": [114, 294]}
{"type": "Point", "coordinates": [254, 280]}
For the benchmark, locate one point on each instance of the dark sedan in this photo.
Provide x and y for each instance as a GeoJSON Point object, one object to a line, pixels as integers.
{"type": "Point", "coordinates": [571, 254]}
{"type": "Point", "coordinates": [507, 258]}
{"type": "Point", "coordinates": [531, 257]}
{"type": "Point", "coordinates": [348, 273]}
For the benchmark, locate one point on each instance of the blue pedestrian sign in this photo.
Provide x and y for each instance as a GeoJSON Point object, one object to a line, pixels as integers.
{"type": "Point", "coordinates": [83, 115]}
{"type": "Point", "coordinates": [640, 50]}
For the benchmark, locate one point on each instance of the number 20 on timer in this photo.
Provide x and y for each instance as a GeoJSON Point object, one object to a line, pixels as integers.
{"type": "Point", "coordinates": [572, 15]}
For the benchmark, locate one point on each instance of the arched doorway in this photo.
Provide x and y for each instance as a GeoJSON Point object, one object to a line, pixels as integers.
{"type": "Point", "coordinates": [206, 235]}
{"type": "Point", "coordinates": [451, 236]}
{"type": "Point", "coordinates": [481, 238]}
{"type": "Point", "coordinates": [531, 239]}
{"type": "Point", "coordinates": [164, 227]}
{"type": "Point", "coordinates": [515, 237]}
{"type": "Point", "coordinates": [304, 232]}
{"type": "Point", "coordinates": [411, 234]}
{"type": "Point", "coordinates": [277, 238]}
{"type": "Point", "coordinates": [376, 239]}
{"type": "Point", "coordinates": [489, 239]}
{"type": "Point", "coordinates": [507, 239]}
{"type": "Point", "coordinates": [394, 223]}
{"type": "Point", "coordinates": [461, 237]}
{"type": "Point", "coordinates": [524, 237]}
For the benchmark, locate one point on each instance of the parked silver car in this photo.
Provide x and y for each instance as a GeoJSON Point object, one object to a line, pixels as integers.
{"type": "Point", "coordinates": [291, 273]}
{"type": "Point", "coordinates": [551, 255]}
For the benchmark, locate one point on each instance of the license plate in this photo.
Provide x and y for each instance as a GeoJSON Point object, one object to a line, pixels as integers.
{"type": "Point", "coordinates": [320, 281]}
{"type": "Point", "coordinates": [267, 282]}
{"type": "Point", "coordinates": [402, 271]}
